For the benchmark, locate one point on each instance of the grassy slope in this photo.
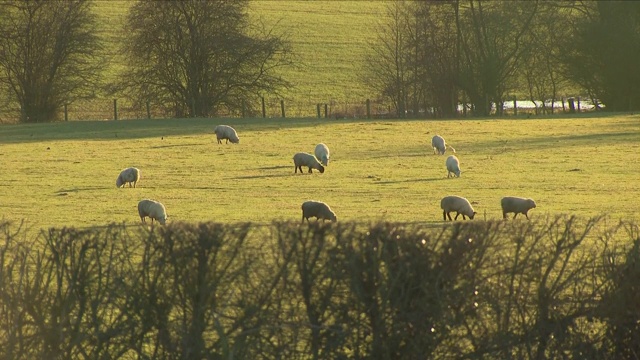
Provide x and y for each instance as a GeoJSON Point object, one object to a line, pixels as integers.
{"type": "Point", "coordinates": [379, 169]}
{"type": "Point", "coordinates": [330, 40]}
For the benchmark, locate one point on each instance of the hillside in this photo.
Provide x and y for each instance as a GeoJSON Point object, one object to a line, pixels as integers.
{"type": "Point", "coordinates": [330, 40]}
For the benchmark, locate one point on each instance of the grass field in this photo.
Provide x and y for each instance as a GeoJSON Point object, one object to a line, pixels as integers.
{"type": "Point", "coordinates": [330, 41]}
{"type": "Point", "coordinates": [64, 173]}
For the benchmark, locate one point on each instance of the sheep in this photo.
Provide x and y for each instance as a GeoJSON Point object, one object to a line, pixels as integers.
{"type": "Point", "coordinates": [453, 166]}
{"type": "Point", "coordinates": [322, 153]}
{"type": "Point", "coordinates": [439, 145]}
{"type": "Point", "coordinates": [516, 205]}
{"type": "Point", "coordinates": [317, 209]}
{"type": "Point", "coordinates": [458, 204]}
{"type": "Point", "coordinates": [305, 159]}
{"type": "Point", "coordinates": [226, 132]}
{"type": "Point", "coordinates": [128, 176]}
{"type": "Point", "coordinates": [153, 209]}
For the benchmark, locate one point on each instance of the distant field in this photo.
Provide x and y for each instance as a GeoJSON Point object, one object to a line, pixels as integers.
{"type": "Point", "coordinates": [330, 39]}
{"type": "Point", "coordinates": [64, 173]}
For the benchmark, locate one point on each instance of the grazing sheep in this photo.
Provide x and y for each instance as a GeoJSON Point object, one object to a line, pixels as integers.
{"type": "Point", "coordinates": [458, 204]}
{"type": "Point", "coordinates": [439, 145]}
{"type": "Point", "coordinates": [152, 209]}
{"type": "Point", "coordinates": [453, 166]}
{"type": "Point", "coordinates": [305, 159]}
{"type": "Point", "coordinates": [226, 132]}
{"type": "Point", "coordinates": [128, 176]}
{"type": "Point", "coordinates": [317, 209]}
{"type": "Point", "coordinates": [322, 153]}
{"type": "Point", "coordinates": [516, 205]}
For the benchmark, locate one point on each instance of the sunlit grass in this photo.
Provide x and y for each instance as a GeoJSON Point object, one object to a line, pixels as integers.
{"type": "Point", "coordinates": [64, 173]}
{"type": "Point", "coordinates": [330, 41]}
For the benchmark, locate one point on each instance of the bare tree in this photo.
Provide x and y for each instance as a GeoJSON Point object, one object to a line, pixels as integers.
{"type": "Point", "coordinates": [491, 46]}
{"type": "Point", "coordinates": [200, 57]}
{"type": "Point", "coordinates": [388, 68]}
{"type": "Point", "coordinates": [49, 55]}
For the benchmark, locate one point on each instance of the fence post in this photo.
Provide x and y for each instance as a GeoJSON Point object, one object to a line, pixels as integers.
{"type": "Point", "coordinates": [318, 110]}
{"type": "Point", "coordinates": [368, 109]}
{"type": "Point", "coordinates": [572, 105]}
{"type": "Point", "coordinates": [282, 108]}
{"type": "Point", "coordinates": [148, 110]}
{"type": "Point", "coordinates": [264, 109]}
{"type": "Point", "coordinates": [66, 113]}
{"type": "Point", "coordinates": [515, 106]}
{"type": "Point", "coordinates": [578, 105]}
{"type": "Point", "coordinates": [115, 109]}
{"type": "Point", "coordinates": [326, 112]}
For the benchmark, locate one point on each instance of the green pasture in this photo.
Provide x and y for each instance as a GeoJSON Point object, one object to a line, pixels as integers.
{"type": "Point", "coordinates": [63, 174]}
{"type": "Point", "coordinates": [330, 41]}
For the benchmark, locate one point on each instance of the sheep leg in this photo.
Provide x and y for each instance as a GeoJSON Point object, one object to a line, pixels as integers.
{"type": "Point", "coordinates": [310, 170]}
{"type": "Point", "coordinates": [504, 215]}
{"type": "Point", "coordinates": [514, 216]}
{"type": "Point", "coordinates": [457, 214]}
{"type": "Point", "coordinates": [464, 217]}
{"type": "Point", "coordinates": [525, 214]}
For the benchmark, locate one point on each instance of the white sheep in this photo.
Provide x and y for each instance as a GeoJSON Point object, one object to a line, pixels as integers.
{"type": "Point", "coordinates": [439, 145]}
{"type": "Point", "coordinates": [516, 205]}
{"type": "Point", "coordinates": [458, 204]}
{"type": "Point", "coordinates": [453, 166]}
{"type": "Point", "coordinates": [128, 176]}
{"type": "Point", "coordinates": [322, 153]}
{"type": "Point", "coordinates": [305, 159]}
{"type": "Point", "coordinates": [317, 209]}
{"type": "Point", "coordinates": [226, 132]}
{"type": "Point", "coordinates": [153, 209]}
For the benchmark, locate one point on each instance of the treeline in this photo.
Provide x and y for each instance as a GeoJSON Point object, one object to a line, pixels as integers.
{"type": "Point", "coordinates": [206, 58]}
{"type": "Point", "coordinates": [443, 53]}
{"type": "Point", "coordinates": [560, 287]}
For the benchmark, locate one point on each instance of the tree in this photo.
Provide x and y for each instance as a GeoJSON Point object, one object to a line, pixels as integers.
{"type": "Point", "coordinates": [540, 66]}
{"type": "Point", "coordinates": [388, 68]}
{"type": "Point", "coordinates": [491, 46]}
{"type": "Point", "coordinates": [200, 57]}
{"type": "Point", "coordinates": [49, 55]}
{"type": "Point", "coordinates": [602, 53]}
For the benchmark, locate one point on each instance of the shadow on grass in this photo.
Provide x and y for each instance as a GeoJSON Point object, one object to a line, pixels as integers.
{"type": "Point", "coordinates": [259, 176]}
{"type": "Point", "coordinates": [176, 145]}
{"type": "Point", "coordinates": [147, 128]}
{"type": "Point", "coordinates": [277, 167]}
{"type": "Point", "coordinates": [408, 181]}
{"type": "Point", "coordinates": [78, 189]}
{"type": "Point", "coordinates": [552, 142]}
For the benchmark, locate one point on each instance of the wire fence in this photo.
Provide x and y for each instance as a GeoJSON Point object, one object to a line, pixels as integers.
{"type": "Point", "coordinates": [275, 107]}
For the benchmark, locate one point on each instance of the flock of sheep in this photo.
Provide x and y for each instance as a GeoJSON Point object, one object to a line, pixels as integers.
{"type": "Point", "coordinates": [318, 161]}
{"type": "Point", "coordinates": [462, 206]}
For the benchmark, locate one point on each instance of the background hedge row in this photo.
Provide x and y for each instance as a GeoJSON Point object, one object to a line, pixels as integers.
{"type": "Point", "coordinates": [555, 288]}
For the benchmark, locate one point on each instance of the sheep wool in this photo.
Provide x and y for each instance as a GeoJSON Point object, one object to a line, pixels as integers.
{"type": "Point", "coordinates": [439, 145]}
{"type": "Point", "coordinates": [317, 209]}
{"type": "Point", "coordinates": [153, 209]}
{"type": "Point", "coordinates": [128, 176]}
{"type": "Point", "coordinates": [516, 205]}
{"type": "Point", "coordinates": [226, 132]}
{"type": "Point", "coordinates": [458, 204]}
{"type": "Point", "coordinates": [453, 166]}
{"type": "Point", "coordinates": [305, 159]}
{"type": "Point", "coordinates": [322, 153]}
